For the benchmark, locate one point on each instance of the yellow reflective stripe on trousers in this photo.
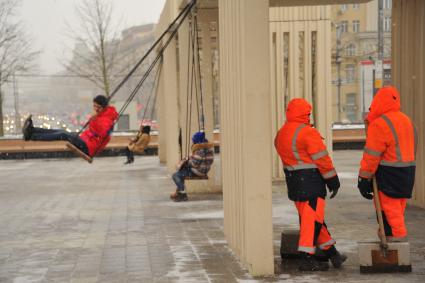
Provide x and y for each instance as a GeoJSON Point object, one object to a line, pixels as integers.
{"type": "Point", "coordinates": [306, 249]}
{"type": "Point", "coordinates": [328, 243]}
{"type": "Point", "coordinates": [372, 152]}
{"type": "Point", "coordinates": [320, 154]}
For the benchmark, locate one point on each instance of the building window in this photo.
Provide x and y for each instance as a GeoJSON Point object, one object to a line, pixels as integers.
{"type": "Point", "coordinates": [351, 107]}
{"type": "Point", "coordinates": [388, 4]}
{"type": "Point", "coordinates": [351, 50]}
{"type": "Point", "coordinates": [343, 26]}
{"type": "Point", "coordinates": [387, 24]}
{"type": "Point", "coordinates": [356, 26]}
{"type": "Point", "coordinates": [356, 6]}
{"type": "Point", "coordinates": [344, 7]}
{"type": "Point", "coordinates": [350, 73]}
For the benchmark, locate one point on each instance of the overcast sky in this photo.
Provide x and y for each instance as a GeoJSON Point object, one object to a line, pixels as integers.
{"type": "Point", "coordinates": [46, 21]}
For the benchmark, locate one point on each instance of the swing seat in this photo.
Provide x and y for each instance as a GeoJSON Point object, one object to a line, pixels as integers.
{"type": "Point", "coordinates": [78, 152]}
{"type": "Point", "coordinates": [197, 178]}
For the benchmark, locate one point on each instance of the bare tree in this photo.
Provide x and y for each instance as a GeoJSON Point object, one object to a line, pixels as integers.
{"type": "Point", "coordinates": [96, 44]}
{"type": "Point", "coordinates": [15, 49]}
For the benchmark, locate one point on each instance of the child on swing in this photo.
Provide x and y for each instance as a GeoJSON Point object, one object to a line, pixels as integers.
{"type": "Point", "coordinates": [198, 164]}
{"type": "Point", "coordinates": [91, 141]}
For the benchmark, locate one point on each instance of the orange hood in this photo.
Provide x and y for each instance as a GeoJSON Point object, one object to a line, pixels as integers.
{"type": "Point", "coordinates": [298, 110]}
{"type": "Point", "coordinates": [386, 100]}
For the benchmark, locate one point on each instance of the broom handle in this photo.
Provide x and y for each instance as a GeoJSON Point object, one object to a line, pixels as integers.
{"type": "Point", "coordinates": [379, 213]}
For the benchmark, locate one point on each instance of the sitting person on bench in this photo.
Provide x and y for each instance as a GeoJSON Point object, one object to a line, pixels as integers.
{"type": "Point", "coordinates": [138, 144]}
{"type": "Point", "coordinates": [91, 141]}
{"type": "Point", "coordinates": [197, 165]}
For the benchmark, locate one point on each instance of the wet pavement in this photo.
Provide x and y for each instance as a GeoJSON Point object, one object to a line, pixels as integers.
{"type": "Point", "coordinates": [63, 220]}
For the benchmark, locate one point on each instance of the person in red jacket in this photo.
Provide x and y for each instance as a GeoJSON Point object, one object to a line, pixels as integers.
{"type": "Point", "coordinates": [389, 156]}
{"type": "Point", "coordinates": [91, 141]}
{"type": "Point", "coordinates": [308, 170]}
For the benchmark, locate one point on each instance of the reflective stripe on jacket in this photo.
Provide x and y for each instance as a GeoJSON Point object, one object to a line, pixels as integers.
{"type": "Point", "coordinates": [301, 147]}
{"type": "Point", "coordinates": [304, 155]}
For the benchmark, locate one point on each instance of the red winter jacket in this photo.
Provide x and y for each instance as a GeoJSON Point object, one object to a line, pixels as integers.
{"type": "Point", "coordinates": [97, 134]}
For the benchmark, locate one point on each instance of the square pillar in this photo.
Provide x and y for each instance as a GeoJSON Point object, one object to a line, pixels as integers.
{"type": "Point", "coordinates": [408, 73]}
{"type": "Point", "coordinates": [184, 76]}
{"type": "Point", "coordinates": [170, 92]}
{"type": "Point", "coordinates": [162, 133]}
{"type": "Point", "coordinates": [205, 17]}
{"type": "Point", "coordinates": [246, 142]}
{"type": "Point", "coordinates": [323, 103]}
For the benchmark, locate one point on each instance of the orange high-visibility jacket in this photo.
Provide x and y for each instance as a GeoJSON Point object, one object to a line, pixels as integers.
{"type": "Point", "coordinates": [390, 145]}
{"type": "Point", "coordinates": [303, 153]}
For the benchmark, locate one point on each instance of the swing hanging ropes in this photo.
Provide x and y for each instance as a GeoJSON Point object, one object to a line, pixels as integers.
{"type": "Point", "coordinates": [194, 67]}
{"type": "Point", "coordinates": [171, 28]}
{"type": "Point", "coordinates": [189, 91]}
{"type": "Point", "coordinates": [174, 27]}
{"type": "Point", "coordinates": [202, 117]}
{"type": "Point", "coordinates": [154, 91]}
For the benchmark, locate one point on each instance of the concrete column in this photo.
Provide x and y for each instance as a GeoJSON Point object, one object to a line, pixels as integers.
{"type": "Point", "coordinates": [171, 100]}
{"type": "Point", "coordinates": [184, 77]}
{"type": "Point", "coordinates": [246, 132]}
{"type": "Point", "coordinates": [324, 78]}
{"type": "Point", "coordinates": [205, 17]}
{"type": "Point", "coordinates": [167, 93]}
{"type": "Point", "coordinates": [162, 135]}
{"type": "Point", "coordinates": [408, 58]}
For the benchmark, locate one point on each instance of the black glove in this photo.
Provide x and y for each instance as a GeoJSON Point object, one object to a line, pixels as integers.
{"type": "Point", "coordinates": [333, 185]}
{"type": "Point", "coordinates": [366, 187]}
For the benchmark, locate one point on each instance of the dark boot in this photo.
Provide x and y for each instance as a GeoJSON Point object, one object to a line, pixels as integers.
{"type": "Point", "coordinates": [27, 128]}
{"type": "Point", "coordinates": [178, 197]}
{"type": "Point", "coordinates": [336, 258]}
{"type": "Point", "coordinates": [130, 156]}
{"type": "Point", "coordinates": [309, 263]}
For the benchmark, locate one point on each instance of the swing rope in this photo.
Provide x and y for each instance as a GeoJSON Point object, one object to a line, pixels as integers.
{"type": "Point", "coordinates": [202, 118]}
{"type": "Point", "coordinates": [193, 87]}
{"type": "Point", "coordinates": [171, 28]}
{"type": "Point", "coordinates": [155, 89]}
{"type": "Point", "coordinates": [183, 15]}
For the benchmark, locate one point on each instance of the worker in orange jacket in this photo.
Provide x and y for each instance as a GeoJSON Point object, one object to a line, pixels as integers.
{"type": "Point", "coordinates": [389, 155]}
{"type": "Point", "coordinates": [308, 170]}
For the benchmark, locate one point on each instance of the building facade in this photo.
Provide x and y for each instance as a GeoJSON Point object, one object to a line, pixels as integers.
{"type": "Point", "coordinates": [355, 41]}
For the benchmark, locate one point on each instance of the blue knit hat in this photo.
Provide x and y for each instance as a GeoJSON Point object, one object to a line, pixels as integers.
{"type": "Point", "coordinates": [199, 137]}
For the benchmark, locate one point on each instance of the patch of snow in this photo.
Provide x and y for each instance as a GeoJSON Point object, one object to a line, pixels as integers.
{"type": "Point", "coordinates": [347, 175]}
{"type": "Point", "coordinates": [347, 126]}
{"type": "Point", "coordinates": [217, 214]}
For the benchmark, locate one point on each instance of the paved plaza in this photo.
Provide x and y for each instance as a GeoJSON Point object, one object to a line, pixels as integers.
{"type": "Point", "coordinates": [63, 220]}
